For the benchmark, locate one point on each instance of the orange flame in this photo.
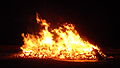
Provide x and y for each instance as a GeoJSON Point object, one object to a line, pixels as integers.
{"type": "Point", "coordinates": [61, 43]}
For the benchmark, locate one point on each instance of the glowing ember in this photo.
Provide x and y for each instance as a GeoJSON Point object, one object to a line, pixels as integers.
{"type": "Point", "coordinates": [61, 43]}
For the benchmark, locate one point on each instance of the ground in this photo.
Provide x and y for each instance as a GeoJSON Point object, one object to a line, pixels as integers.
{"type": "Point", "coordinates": [7, 59]}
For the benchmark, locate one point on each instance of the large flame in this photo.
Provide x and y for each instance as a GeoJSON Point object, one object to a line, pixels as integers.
{"type": "Point", "coordinates": [60, 43]}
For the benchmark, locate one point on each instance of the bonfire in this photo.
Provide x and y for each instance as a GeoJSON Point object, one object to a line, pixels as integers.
{"type": "Point", "coordinates": [63, 43]}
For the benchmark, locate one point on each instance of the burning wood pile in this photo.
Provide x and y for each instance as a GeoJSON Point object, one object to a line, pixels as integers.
{"type": "Point", "coordinates": [63, 43]}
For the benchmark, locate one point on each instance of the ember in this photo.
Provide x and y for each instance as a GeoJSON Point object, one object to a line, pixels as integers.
{"type": "Point", "coordinates": [63, 43]}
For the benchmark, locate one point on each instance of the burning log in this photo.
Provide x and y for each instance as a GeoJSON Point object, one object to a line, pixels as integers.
{"type": "Point", "coordinates": [98, 55]}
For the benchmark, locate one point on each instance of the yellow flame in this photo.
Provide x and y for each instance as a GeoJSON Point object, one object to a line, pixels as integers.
{"type": "Point", "coordinates": [60, 43]}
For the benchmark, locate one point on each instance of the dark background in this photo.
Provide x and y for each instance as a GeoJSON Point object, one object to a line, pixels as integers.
{"type": "Point", "coordinates": [96, 20]}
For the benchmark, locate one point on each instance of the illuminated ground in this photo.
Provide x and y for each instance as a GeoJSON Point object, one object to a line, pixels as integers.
{"type": "Point", "coordinates": [7, 60]}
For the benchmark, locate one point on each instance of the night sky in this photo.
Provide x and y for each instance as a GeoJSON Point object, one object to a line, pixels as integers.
{"type": "Point", "coordinates": [97, 21]}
